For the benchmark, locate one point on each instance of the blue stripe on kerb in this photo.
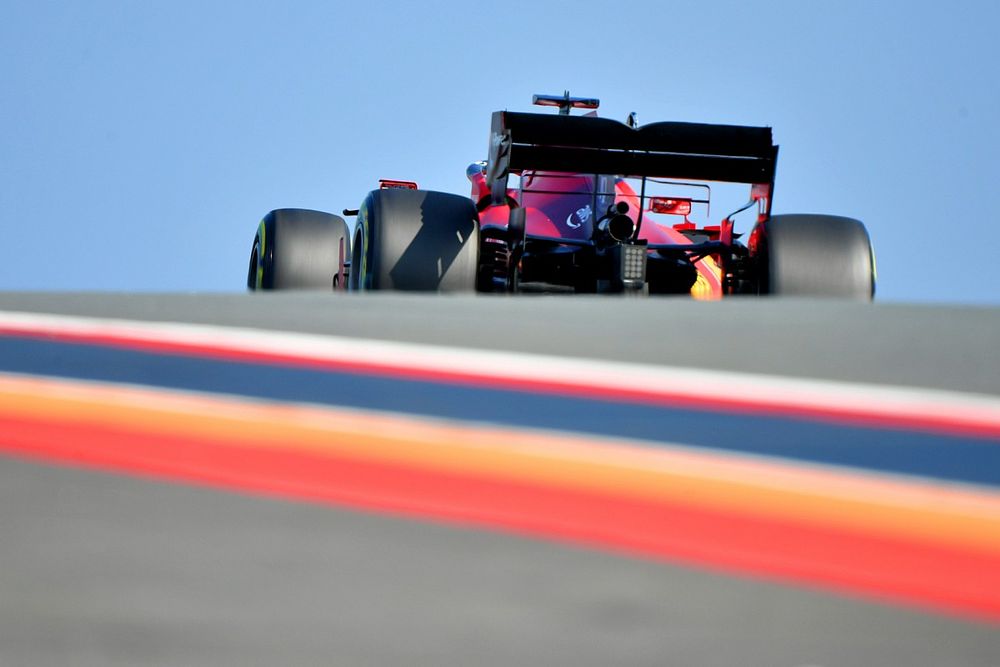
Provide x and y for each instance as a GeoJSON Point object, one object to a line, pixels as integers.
{"type": "Point", "coordinates": [947, 457]}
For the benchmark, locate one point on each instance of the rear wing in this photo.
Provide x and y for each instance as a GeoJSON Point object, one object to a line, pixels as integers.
{"type": "Point", "coordinates": [590, 145]}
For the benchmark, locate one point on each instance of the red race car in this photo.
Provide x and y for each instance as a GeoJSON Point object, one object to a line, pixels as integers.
{"type": "Point", "coordinates": [577, 204]}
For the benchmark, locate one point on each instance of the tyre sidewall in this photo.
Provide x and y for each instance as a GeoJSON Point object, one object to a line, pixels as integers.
{"type": "Point", "coordinates": [416, 240]}
{"type": "Point", "coordinates": [299, 249]}
{"type": "Point", "coordinates": [813, 255]}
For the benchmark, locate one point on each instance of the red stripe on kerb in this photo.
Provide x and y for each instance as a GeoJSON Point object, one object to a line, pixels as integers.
{"type": "Point", "coordinates": [720, 403]}
{"type": "Point", "coordinates": [941, 577]}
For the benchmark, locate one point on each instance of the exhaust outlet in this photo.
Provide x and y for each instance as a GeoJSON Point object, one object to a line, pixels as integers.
{"type": "Point", "coordinates": [616, 224]}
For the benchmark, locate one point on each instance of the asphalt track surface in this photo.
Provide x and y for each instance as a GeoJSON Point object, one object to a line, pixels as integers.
{"type": "Point", "coordinates": [99, 568]}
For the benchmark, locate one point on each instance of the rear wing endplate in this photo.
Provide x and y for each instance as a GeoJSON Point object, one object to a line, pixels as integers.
{"type": "Point", "coordinates": [588, 145]}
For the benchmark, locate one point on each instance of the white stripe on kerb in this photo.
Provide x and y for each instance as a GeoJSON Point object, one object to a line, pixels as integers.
{"type": "Point", "coordinates": [870, 400]}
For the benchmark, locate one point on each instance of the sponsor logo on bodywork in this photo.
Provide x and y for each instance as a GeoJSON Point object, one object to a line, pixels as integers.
{"type": "Point", "coordinates": [580, 217]}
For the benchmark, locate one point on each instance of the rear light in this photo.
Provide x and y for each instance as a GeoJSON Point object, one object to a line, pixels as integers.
{"type": "Point", "coordinates": [633, 265]}
{"type": "Point", "coordinates": [760, 191]}
{"type": "Point", "coordinates": [388, 184]}
{"type": "Point", "coordinates": [670, 206]}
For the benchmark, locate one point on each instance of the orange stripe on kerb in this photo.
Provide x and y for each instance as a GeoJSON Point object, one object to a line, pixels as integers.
{"type": "Point", "coordinates": [886, 506]}
{"type": "Point", "coordinates": [942, 577]}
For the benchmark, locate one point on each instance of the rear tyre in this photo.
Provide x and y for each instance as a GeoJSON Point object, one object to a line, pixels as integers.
{"type": "Point", "coordinates": [814, 255]}
{"type": "Point", "coordinates": [297, 249]}
{"type": "Point", "coordinates": [416, 240]}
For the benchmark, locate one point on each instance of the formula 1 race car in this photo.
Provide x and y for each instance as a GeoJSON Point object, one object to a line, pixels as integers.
{"type": "Point", "coordinates": [576, 204]}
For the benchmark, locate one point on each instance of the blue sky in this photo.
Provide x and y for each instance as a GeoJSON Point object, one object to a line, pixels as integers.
{"type": "Point", "coordinates": [141, 142]}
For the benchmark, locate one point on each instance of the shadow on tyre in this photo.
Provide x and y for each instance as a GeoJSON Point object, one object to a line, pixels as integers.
{"type": "Point", "coordinates": [445, 230]}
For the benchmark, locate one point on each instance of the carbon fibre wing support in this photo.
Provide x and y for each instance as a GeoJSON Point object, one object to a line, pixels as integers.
{"type": "Point", "coordinates": [582, 144]}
